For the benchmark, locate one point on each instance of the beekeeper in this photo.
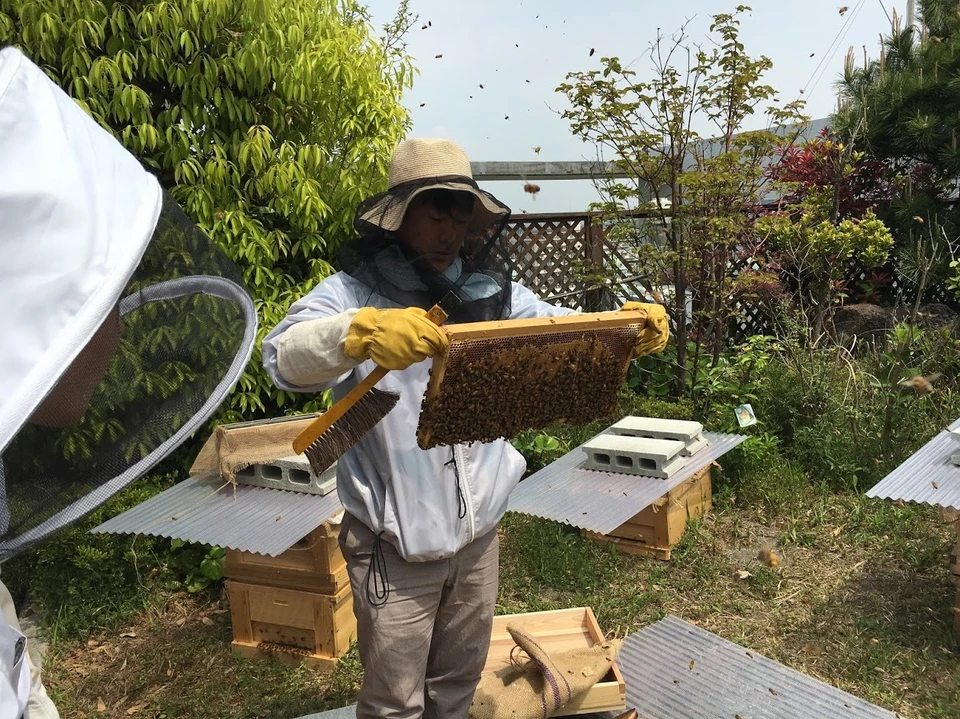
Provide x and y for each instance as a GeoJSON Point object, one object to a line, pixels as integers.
{"type": "Point", "coordinates": [123, 328]}
{"type": "Point", "coordinates": [419, 531]}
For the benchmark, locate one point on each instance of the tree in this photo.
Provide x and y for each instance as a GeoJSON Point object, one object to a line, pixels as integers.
{"type": "Point", "coordinates": [904, 111]}
{"type": "Point", "coordinates": [268, 121]}
{"type": "Point", "coordinates": [702, 195]}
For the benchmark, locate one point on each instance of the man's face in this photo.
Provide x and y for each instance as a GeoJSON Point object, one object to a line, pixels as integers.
{"type": "Point", "coordinates": [69, 399]}
{"type": "Point", "coordinates": [435, 225]}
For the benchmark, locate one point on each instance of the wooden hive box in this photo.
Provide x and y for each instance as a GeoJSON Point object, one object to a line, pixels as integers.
{"type": "Point", "coordinates": [952, 517]}
{"type": "Point", "coordinates": [558, 631]}
{"type": "Point", "coordinates": [290, 625]}
{"type": "Point", "coordinates": [314, 564]}
{"type": "Point", "coordinates": [655, 531]}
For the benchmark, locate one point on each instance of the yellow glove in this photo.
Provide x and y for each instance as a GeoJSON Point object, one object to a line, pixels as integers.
{"type": "Point", "coordinates": [394, 339]}
{"type": "Point", "coordinates": [654, 335]}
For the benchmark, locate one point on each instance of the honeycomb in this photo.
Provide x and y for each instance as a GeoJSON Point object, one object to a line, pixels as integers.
{"type": "Point", "coordinates": [498, 387]}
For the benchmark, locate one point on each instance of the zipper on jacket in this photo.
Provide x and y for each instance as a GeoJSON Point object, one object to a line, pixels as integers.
{"type": "Point", "coordinates": [464, 478]}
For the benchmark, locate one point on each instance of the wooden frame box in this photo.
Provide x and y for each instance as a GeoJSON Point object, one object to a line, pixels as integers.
{"type": "Point", "coordinates": [290, 625]}
{"type": "Point", "coordinates": [313, 564]}
{"type": "Point", "coordinates": [558, 631]}
{"type": "Point", "coordinates": [654, 531]}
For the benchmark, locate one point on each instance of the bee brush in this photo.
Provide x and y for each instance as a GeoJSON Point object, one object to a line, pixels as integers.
{"type": "Point", "coordinates": [335, 431]}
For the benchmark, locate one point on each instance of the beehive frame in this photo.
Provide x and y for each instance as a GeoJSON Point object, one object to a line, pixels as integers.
{"type": "Point", "coordinates": [540, 349]}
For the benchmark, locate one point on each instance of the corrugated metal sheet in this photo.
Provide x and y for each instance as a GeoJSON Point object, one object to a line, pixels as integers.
{"type": "Point", "coordinates": [726, 680]}
{"type": "Point", "coordinates": [602, 501]}
{"type": "Point", "coordinates": [265, 521]}
{"type": "Point", "coordinates": [927, 477]}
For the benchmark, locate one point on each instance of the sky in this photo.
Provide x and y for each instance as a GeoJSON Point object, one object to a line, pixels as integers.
{"type": "Point", "coordinates": [503, 44]}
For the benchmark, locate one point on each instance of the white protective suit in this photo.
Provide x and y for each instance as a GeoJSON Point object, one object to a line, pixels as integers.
{"type": "Point", "coordinates": [386, 480]}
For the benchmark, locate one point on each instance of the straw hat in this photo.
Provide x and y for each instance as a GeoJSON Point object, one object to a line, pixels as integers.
{"type": "Point", "coordinates": [434, 164]}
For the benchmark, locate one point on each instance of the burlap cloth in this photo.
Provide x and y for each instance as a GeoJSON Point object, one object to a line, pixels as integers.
{"type": "Point", "coordinates": [232, 448]}
{"type": "Point", "coordinates": [540, 684]}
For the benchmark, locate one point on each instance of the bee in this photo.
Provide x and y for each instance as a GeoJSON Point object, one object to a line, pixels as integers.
{"type": "Point", "coordinates": [536, 150]}
{"type": "Point", "coordinates": [769, 557]}
{"type": "Point", "coordinates": [843, 10]}
{"type": "Point", "coordinates": [919, 384]}
{"type": "Point", "coordinates": [592, 50]}
{"type": "Point", "coordinates": [437, 57]}
{"type": "Point", "coordinates": [530, 188]}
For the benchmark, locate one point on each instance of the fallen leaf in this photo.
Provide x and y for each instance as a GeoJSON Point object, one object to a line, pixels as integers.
{"type": "Point", "coordinates": [811, 649]}
{"type": "Point", "coordinates": [742, 574]}
{"type": "Point", "coordinates": [101, 707]}
{"type": "Point", "coordinates": [181, 621]}
{"type": "Point", "coordinates": [917, 218]}
{"type": "Point", "coordinates": [836, 531]}
{"type": "Point", "coordinates": [124, 665]}
{"type": "Point", "coordinates": [207, 620]}
{"type": "Point", "coordinates": [92, 643]}
{"type": "Point", "coordinates": [128, 635]}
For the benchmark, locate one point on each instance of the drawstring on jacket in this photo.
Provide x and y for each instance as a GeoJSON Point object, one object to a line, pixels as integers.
{"type": "Point", "coordinates": [377, 571]}
{"type": "Point", "coordinates": [461, 500]}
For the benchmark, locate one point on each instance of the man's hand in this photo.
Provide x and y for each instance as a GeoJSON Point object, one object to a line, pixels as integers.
{"type": "Point", "coordinates": [395, 338]}
{"type": "Point", "coordinates": [655, 333]}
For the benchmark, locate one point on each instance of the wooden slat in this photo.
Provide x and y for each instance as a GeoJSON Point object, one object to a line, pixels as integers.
{"type": "Point", "coordinates": [538, 325]}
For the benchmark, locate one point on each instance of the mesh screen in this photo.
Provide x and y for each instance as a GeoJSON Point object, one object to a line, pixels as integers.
{"type": "Point", "coordinates": [485, 389]}
{"type": "Point", "coordinates": [155, 370]}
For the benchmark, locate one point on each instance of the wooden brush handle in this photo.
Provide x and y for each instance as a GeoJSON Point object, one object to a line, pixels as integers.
{"type": "Point", "coordinates": [326, 420]}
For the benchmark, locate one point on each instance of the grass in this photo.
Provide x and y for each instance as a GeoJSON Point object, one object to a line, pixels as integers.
{"type": "Point", "coordinates": [862, 599]}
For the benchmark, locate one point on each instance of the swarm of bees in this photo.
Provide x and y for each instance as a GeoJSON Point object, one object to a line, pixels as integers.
{"type": "Point", "coordinates": [528, 383]}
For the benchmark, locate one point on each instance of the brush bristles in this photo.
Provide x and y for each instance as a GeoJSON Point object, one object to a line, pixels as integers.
{"type": "Point", "coordinates": [347, 431]}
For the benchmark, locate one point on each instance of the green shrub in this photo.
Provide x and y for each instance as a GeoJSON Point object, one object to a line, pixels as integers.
{"type": "Point", "coordinates": [77, 580]}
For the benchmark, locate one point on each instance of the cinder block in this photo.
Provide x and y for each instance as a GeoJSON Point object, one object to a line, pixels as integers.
{"type": "Point", "coordinates": [634, 455]}
{"type": "Point", "coordinates": [291, 473]}
{"type": "Point", "coordinates": [690, 433]}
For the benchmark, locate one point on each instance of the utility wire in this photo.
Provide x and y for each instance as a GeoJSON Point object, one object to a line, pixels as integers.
{"type": "Point", "coordinates": [853, 17]}
{"type": "Point", "coordinates": [831, 50]}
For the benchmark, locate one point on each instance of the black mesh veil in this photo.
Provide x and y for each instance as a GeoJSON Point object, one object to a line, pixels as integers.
{"type": "Point", "coordinates": [177, 342]}
{"type": "Point", "coordinates": [482, 278]}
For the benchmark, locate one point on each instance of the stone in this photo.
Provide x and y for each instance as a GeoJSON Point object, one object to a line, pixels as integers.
{"type": "Point", "coordinates": [864, 321]}
{"type": "Point", "coordinates": [634, 455]}
{"type": "Point", "coordinates": [688, 432]}
{"type": "Point", "coordinates": [292, 474]}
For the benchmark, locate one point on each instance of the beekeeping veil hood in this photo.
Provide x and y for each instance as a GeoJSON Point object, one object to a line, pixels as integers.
{"type": "Point", "coordinates": [122, 325]}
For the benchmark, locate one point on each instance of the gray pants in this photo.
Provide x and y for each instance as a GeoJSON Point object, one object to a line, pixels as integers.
{"type": "Point", "coordinates": [423, 650]}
